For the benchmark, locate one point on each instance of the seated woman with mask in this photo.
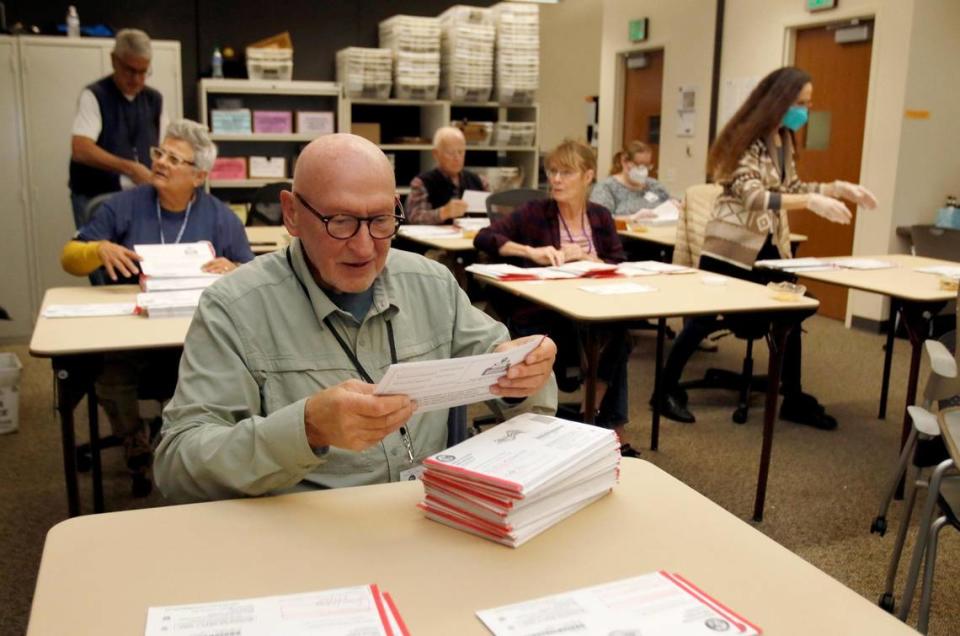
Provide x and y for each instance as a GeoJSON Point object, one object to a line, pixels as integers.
{"type": "Point", "coordinates": [630, 188]}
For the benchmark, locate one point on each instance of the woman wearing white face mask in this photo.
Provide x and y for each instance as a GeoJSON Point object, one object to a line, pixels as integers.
{"type": "Point", "coordinates": [630, 188]}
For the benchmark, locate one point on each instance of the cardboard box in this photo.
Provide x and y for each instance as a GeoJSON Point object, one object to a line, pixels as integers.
{"type": "Point", "coordinates": [231, 121]}
{"type": "Point", "coordinates": [273, 121]}
{"type": "Point", "coordinates": [367, 131]}
{"type": "Point", "coordinates": [268, 167]}
{"type": "Point", "coordinates": [316, 122]}
{"type": "Point", "coordinates": [229, 169]}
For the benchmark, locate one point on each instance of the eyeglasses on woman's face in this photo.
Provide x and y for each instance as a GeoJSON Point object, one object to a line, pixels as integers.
{"type": "Point", "coordinates": [157, 153]}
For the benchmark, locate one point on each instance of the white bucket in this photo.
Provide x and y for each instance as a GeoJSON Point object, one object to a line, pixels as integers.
{"type": "Point", "coordinates": [9, 392]}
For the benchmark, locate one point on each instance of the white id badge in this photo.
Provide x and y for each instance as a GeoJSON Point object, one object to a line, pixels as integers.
{"type": "Point", "coordinates": [412, 474]}
{"type": "Point", "coordinates": [651, 197]}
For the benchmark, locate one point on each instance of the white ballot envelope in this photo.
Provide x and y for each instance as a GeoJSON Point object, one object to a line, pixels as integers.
{"type": "Point", "coordinates": [476, 201]}
{"type": "Point", "coordinates": [441, 384]}
{"type": "Point", "coordinates": [655, 604]}
{"type": "Point", "coordinates": [342, 612]}
{"type": "Point", "coordinates": [176, 259]}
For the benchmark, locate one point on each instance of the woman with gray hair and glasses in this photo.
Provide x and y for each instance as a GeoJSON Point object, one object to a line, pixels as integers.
{"type": "Point", "coordinates": [172, 208]}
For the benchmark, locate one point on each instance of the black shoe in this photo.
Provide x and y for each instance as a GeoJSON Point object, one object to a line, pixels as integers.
{"type": "Point", "coordinates": [141, 486]}
{"type": "Point", "coordinates": [803, 408]}
{"type": "Point", "coordinates": [626, 450]}
{"type": "Point", "coordinates": [672, 407]}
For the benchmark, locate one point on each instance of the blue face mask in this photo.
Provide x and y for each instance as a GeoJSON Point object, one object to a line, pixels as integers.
{"type": "Point", "coordinates": [795, 118]}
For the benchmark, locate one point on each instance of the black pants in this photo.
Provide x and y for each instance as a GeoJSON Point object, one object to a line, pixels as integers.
{"type": "Point", "coordinates": [698, 328]}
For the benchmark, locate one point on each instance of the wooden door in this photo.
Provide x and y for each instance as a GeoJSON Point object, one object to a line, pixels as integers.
{"type": "Point", "coordinates": [830, 145]}
{"type": "Point", "coordinates": [643, 91]}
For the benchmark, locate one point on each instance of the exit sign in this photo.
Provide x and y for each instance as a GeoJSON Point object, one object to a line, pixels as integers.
{"type": "Point", "coordinates": [638, 30]}
{"type": "Point", "coordinates": [821, 5]}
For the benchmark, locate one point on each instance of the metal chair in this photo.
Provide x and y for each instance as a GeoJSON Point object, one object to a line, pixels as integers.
{"type": "Point", "coordinates": [265, 208]}
{"type": "Point", "coordinates": [924, 448]}
{"type": "Point", "coordinates": [944, 493]}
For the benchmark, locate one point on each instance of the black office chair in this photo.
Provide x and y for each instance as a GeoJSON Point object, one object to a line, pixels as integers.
{"type": "Point", "coordinates": [935, 242]}
{"type": "Point", "coordinates": [506, 201]}
{"type": "Point", "coordinates": [265, 208]}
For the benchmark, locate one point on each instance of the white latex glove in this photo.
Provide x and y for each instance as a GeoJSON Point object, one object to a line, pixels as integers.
{"type": "Point", "coordinates": [829, 208]}
{"type": "Point", "coordinates": [854, 193]}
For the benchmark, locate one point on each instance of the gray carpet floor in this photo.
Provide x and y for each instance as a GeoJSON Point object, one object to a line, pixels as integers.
{"type": "Point", "coordinates": [823, 492]}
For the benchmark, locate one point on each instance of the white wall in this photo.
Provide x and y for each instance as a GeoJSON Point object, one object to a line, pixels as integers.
{"type": "Point", "coordinates": [684, 29]}
{"type": "Point", "coordinates": [569, 63]}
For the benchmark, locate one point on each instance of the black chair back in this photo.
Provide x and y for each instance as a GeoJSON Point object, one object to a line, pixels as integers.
{"type": "Point", "coordinates": [265, 208]}
{"type": "Point", "coordinates": [935, 242]}
{"type": "Point", "coordinates": [506, 201]}
{"type": "Point", "coordinates": [93, 205]}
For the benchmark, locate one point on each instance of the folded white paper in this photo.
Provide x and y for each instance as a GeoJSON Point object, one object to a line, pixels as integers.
{"type": "Point", "coordinates": [476, 200]}
{"type": "Point", "coordinates": [441, 384]}
{"type": "Point", "coordinates": [430, 231]}
{"type": "Point", "coordinates": [176, 259]}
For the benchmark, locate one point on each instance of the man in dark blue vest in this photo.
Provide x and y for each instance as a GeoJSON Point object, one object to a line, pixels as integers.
{"type": "Point", "coordinates": [435, 196]}
{"type": "Point", "coordinates": [118, 119]}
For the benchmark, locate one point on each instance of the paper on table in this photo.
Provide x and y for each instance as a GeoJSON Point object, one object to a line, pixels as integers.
{"type": "Point", "coordinates": [619, 288]}
{"type": "Point", "coordinates": [861, 263]}
{"type": "Point", "coordinates": [647, 268]}
{"type": "Point", "coordinates": [342, 612]}
{"type": "Point", "coordinates": [430, 231]}
{"type": "Point", "coordinates": [440, 384]}
{"type": "Point", "coordinates": [176, 259]}
{"type": "Point", "coordinates": [667, 213]}
{"type": "Point", "coordinates": [89, 310]}
{"type": "Point", "coordinates": [476, 200]}
{"type": "Point", "coordinates": [942, 270]}
{"type": "Point", "coordinates": [793, 263]}
{"type": "Point", "coordinates": [655, 604]}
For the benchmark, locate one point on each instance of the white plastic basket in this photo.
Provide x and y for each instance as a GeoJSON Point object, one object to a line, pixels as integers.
{"type": "Point", "coordinates": [463, 14]}
{"type": "Point", "coordinates": [10, 369]}
{"type": "Point", "coordinates": [514, 133]}
{"type": "Point", "coordinates": [269, 64]}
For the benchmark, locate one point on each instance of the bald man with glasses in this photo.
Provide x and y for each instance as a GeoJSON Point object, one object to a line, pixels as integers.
{"type": "Point", "coordinates": [279, 366]}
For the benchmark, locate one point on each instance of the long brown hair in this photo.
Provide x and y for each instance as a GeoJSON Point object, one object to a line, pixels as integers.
{"type": "Point", "coordinates": [572, 154]}
{"type": "Point", "coordinates": [761, 113]}
{"type": "Point", "coordinates": [628, 151]}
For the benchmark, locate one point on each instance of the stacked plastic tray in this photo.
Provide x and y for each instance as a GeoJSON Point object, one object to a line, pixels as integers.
{"type": "Point", "coordinates": [517, 52]}
{"type": "Point", "coordinates": [415, 42]}
{"type": "Point", "coordinates": [466, 63]}
{"type": "Point", "coordinates": [365, 72]}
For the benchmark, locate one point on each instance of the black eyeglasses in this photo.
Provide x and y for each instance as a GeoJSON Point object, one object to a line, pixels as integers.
{"type": "Point", "coordinates": [345, 226]}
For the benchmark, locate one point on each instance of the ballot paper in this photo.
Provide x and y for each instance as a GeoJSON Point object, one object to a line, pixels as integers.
{"type": "Point", "coordinates": [576, 269]}
{"type": "Point", "coordinates": [951, 271]}
{"type": "Point", "coordinates": [512, 482]}
{"type": "Point", "coordinates": [346, 611]}
{"type": "Point", "coordinates": [649, 268]}
{"type": "Point", "coordinates": [92, 310]}
{"type": "Point", "coordinates": [169, 304]}
{"type": "Point", "coordinates": [441, 384]}
{"type": "Point", "coordinates": [667, 213]}
{"type": "Point", "coordinates": [430, 231]}
{"type": "Point", "coordinates": [618, 289]}
{"type": "Point", "coordinates": [476, 200]}
{"type": "Point", "coordinates": [861, 263]}
{"type": "Point", "coordinates": [811, 264]}
{"type": "Point", "coordinates": [175, 260]}
{"type": "Point", "coordinates": [654, 604]}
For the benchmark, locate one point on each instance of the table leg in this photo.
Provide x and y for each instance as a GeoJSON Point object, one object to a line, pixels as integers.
{"type": "Point", "coordinates": [888, 357]}
{"type": "Point", "coordinates": [96, 471]}
{"type": "Point", "coordinates": [67, 398]}
{"type": "Point", "coordinates": [591, 355]}
{"type": "Point", "coordinates": [657, 369]}
{"type": "Point", "coordinates": [776, 341]}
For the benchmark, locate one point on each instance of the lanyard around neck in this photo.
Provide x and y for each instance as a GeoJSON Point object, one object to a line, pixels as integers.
{"type": "Point", "coordinates": [583, 228]}
{"type": "Point", "coordinates": [183, 226]}
{"type": "Point", "coordinates": [343, 344]}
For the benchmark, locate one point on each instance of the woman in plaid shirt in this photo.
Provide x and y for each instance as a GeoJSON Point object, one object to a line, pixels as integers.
{"type": "Point", "coordinates": [565, 228]}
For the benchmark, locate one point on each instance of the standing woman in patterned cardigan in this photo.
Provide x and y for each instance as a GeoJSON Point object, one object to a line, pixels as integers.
{"type": "Point", "coordinates": [753, 160]}
{"type": "Point", "coordinates": [565, 228]}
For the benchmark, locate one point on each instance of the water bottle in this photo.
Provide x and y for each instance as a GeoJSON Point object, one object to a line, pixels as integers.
{"type": "Point", "coordinates": [217, 63]}
{"type": "Point", "coordinates": [73, 22]}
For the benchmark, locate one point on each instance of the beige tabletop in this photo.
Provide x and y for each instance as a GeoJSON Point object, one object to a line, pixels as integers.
{"type": "Point", "coordinates": [900, 282]}
{"type": "Point", "coordinates": [69, 336]}
{"type": "Point", "coordinates": [667, 235]}
{"type": "Point", "coordinates": [438, 576]}
{"type": "Point", "coordinates": [674, 295]}
{"type": "Point", "coordinates": [267, 238]}
{"type": "Point", "coordinates": [453, 244]}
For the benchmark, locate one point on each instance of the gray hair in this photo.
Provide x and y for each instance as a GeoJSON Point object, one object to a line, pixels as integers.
{"type": "Point", "coordinates": [446, 132]}
{"type": "Point", "coordinates": [132, 42]}
{"type": "Point", "coordinates": [204, 150]}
